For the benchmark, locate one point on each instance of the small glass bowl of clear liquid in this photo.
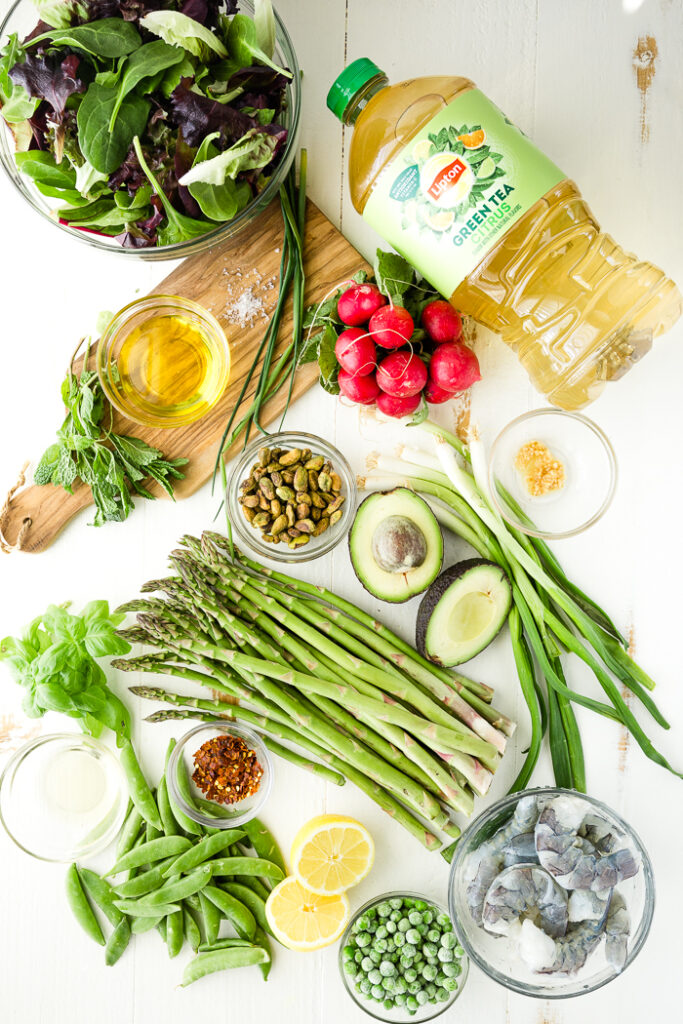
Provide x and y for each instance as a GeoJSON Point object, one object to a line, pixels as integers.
{"type": "Point", "coordinates": [63, 796]}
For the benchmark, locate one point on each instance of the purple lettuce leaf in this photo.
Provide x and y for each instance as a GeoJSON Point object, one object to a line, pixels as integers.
{"type": "Point", "coordinates": [50, 79]}
{"type": "Point", "coordinates": [197, 116]}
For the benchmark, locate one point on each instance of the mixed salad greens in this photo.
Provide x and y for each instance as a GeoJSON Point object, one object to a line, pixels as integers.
{"type": "Point", "coordinates": [151, 121]}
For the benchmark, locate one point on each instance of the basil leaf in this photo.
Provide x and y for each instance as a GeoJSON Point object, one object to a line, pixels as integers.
{"type": "Point", "coordinates": [108, 38]}
{"type": "Point", "coordinates": [106, 149]}
{"type": "Point", "coordinates": [146, 62]}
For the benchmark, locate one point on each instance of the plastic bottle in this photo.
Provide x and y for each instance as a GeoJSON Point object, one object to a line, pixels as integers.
{"type": "Point", "coordinates": [440, 172]}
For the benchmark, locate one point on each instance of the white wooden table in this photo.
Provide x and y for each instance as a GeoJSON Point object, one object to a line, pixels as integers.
{"type": "Point", "coordinates": [564, 72]}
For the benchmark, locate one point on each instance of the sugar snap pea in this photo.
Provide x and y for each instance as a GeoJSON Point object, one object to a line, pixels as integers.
{"type": "Point", "coordinates": [138, 787]}
{"type": "Point", "coordinates": [211, 916]}
{"type": "Point", "coordinates": [80, 907]}
{"type": "Point", "coordinates": [138, 925]}
{"type": "Point", "coordinates": [160, 926]}
{"type": "Point", "coordinates": [251, 900]}
{"type": "Point", "coordinates": [239, 916]}
{"type": "Point", "coordinates": [186, 823]}
{"type": "Point", "coordinates": [152, 833]}
{"type": "Point", "coordinates": [262, 940]}
{"type": "Point", "coordinates": [171, 826]}
{"type": "Point", "coordinates": [228, 943]}
{"type": "Point", "coordinates": [148, 853]}
{"type": "Point", "coordinates": [145, 882]}
{"type": "Point", "coordinates": [130, 831]}
{"type": "Point", "coordinates": [255, 884]}
{"type": "Point", "coordinates": [175, 936]}
{"type": "Point", "coordinates": [264, 843]}
{"type": "Point", "coordinates": [136, 908]}
{"type": "Point", "coordinates": [191, 929]}
{"type": "Point", "coordinates": [102, 894]}
{"type": "Point", "coordinates": [221, 960]}
{"type": "Point", "coordinates": [179, 888]}
{"type": "Point", "coordinates": [247, 866]}
{"type": "Point", "coordinates": [206, 848]}
{"type": "Point", "coordinates": [117, 942]}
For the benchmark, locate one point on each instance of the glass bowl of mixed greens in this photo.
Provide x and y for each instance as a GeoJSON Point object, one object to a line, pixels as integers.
{"type": "Point", "coordinates": [154, 128]}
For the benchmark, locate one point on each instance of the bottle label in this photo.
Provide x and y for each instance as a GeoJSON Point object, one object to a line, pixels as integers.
{"type": "Point", "coordinates": [457, 188]}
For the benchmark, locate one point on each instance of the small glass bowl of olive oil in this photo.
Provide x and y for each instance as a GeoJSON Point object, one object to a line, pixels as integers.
{"type": "Point", "coordinates": [163, 361]}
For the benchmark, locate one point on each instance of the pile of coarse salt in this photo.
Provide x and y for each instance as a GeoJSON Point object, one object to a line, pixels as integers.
{"type": "Point", "coordinates": [247, 303]}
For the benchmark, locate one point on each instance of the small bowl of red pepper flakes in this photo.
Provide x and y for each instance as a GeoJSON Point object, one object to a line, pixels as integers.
{"type": "Point", "coordinates": [220, 774]}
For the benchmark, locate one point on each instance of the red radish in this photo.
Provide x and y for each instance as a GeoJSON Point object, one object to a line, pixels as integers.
{"type": "Point", "coordinates": [355, 351]}
{"type": "Point", "coordinates": [436, 395]}
{"type": "Point", "coordinates": [391, 326]}
{"type": "Point", "coordinates": [402, 374]}
{"type": "Point", "coordinates": [390, 405]}
{"type": "Point", "coordinates": [454, 367]}
{"type": "Point", "coordinates": [360, 388]}
{"type": "Point", "coordinates": [441, 322]}
{"type": "Point", "coordinates": [357, 304]}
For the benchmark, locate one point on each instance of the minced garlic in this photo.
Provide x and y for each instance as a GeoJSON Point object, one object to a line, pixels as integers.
{"type": "Point", "coordinates": [539, 469]}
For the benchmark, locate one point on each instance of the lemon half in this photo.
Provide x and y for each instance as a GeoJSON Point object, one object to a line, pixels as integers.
{"type": "Point", "coordinates": [331, 853]}
{"type": "Point", "coordinates": [302, 920]}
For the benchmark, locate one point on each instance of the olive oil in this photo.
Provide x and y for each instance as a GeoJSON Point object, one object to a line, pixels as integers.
{"type": "Point", "coordinates": [164, 361]}
{"type": "Point", "coordinates": [499, 230]}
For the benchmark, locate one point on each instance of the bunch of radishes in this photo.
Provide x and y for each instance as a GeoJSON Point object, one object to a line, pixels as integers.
{"type": "Point", "coordinates": [379, 364]}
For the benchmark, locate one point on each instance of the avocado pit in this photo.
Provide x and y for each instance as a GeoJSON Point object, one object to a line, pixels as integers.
{"type": "Point", "coordinates": [398, 544]}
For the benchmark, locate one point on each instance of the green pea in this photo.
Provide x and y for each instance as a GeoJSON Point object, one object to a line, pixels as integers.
{"type": "Point", "coordinates": [400, 999]}
{"type": "Point", "coordinates": [375, 976]}
{"type": "Point", "coordinates": [403, 925]}
{"type": "Point", "coordinates": [415, 918]}
{"type": "Point", "coordinates": [421, 997]}
{"type": "Point", "coordinates": [434, 935]}
{"type": "Point", "coordinates": [365, 987]}
{"type": "Point", "coordinates": [366, 964]}
{"type": "Point", "coordinates": [450, 984]}
{"type": "Point", "coordinates": [377, 992]}
{"type": "Point", "coordinates": [361, 924]}
{"type": "Point", "coordinates": [358, 957]}
{"type": "Point", "coordinates": [221, 960]}
{"type": "Point", "coordinates": [390, 927]}
{"type": "Point", "coordinates": [410, 975]}
{"type": "Point", "coordinates": [396, 903]}
{"type": "Point", "coordinates": [381, 932]}
{"type": "Point", "coordinates": [448, 940]}
{"type": "Point", "coordinates": [430, 989]}
{"type": "Point", "coordinates": [441, 995]}
{"type": "Point", "coordinates": [420, 905]}
{"type": "Point", "coordinates": [413, 937]}
{"type": "Point", "coordinates": [446, 956]}
{"type": "Point", "coordinates": [429, 972]}
{"type": "Point", "coordinates": [363, 939]}
{"type": "Point", "coordinates": [117, 942]}
{"type": "Point", "coordinates": [80, 907]}
{"type": "Point", "coordinates": [383, 910]}
{"type": "Point", "coordinates": [387, 969]}
{"type": "Point", "coordinates": [427, 917]}
{"type": "Point", "coordinates": [412, 1003]}
{"type": "Point", "coordinates": [399, 940]}
{"type": "Point", "coordinates": [429, 949]}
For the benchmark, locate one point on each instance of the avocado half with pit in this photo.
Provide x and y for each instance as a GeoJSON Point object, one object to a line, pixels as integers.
{"type": "Point", "coordinates": [395, 544]}
{"type": "Point", "coordinates": [462, 612]}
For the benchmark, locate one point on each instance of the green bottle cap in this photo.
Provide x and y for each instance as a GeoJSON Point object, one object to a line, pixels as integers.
{"type": "Point", "coordinates": [345, 87]}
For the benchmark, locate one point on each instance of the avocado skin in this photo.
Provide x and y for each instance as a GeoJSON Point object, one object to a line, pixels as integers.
{"type": "Point", "coordinates": [437, 591]}
{"type": "Point", "coordinates": [358, 571]}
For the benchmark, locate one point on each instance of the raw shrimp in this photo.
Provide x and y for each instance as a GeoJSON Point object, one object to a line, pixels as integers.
{"type": "Point", "coordinates": [573, 860]}
{"type": "Point", "coordinates": [574, 948]}
{"type": "Point", "coordinates": [617, 931]}
{"type": "Point", "coordinates": [525, 891]}
{"type": "Point", "coordinates": [586, 905]}
{"type": "Point", "coordinates": [490, 856]}
{"type": "Point", "coordinates": [520, 849]}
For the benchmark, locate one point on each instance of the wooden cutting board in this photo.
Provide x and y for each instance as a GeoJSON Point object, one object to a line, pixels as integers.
{"type": "Point", "coordinates": [34, 516]}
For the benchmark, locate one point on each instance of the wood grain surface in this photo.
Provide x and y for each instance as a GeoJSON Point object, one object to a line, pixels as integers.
{"type": "Point", "coordinates": [250, 261]}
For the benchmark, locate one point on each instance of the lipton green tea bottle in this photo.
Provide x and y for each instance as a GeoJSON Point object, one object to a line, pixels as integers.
{"type": "Point", "coordinates": [440, 172]}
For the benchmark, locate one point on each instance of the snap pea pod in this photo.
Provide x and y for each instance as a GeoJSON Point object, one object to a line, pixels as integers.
{"type": "Point", "coordinates": [186, 823]}
{"type": "Point", "coordinates": [171, 826]}
{"type": "Point", "coordinates": [136, 908]}
{"type": "Point", "coordinates": [102, 894]}
{"type": "Point", "coordinates": [145, 882]}
{"type": "Point", "coordinates": [152, 833]}
{"type": "Point", "coordinates": [160, 927]}
{"type": "Point", "coordinates": [239, 916]}
{"type": "Point", "coordinates": [247, 866]}
{"type": "Point", "coordinates": [138, 925]}
{"type": "Point", "coordinates": [255, 884]}
{"type": "Point", "coordinates": [80, 907]}
{"type": "Point", "coordinates": [251, 900]}
{"type": "Point", "coordinates": [211, 916]}
{"type": "Point", "coordinates": [221, 960]}
{"type": "Point", "coordinates": [191, 929]}
{"type": "Point", "coordinates": [206, 848]}
{"type": "Point", "coordinates": [262, 940]}
{"type": "Point", "coordinates": [138, 787]}
{"type": "Point", "coordinates": [180, 888]}
{"type": "Point", "coordinates": [210, 947]}
{"type": "Point", "coordinates": [148, 853]}
{"type": "Point", "coordinates": [130, 831]}
{"type": "Point", "coordinates": [117, 942]}
{"type": "Point", "coordinates": [213, 809]}
{"type": "Point", "coordinates": [175, 935]}
{"type": "Point", "coordinates": [264, 843]}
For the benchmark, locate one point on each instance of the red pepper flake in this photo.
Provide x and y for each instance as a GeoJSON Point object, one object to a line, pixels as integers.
{"type": "Point", "coordinates": [226, 769]}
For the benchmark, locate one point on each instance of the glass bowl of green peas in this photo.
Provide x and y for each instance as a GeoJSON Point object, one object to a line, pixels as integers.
{"type": "Point", "coordinates": [400, 958]}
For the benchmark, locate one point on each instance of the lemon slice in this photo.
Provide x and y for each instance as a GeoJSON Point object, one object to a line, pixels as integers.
{"type": "Point", "coordinates": [331, 853]}
{"type": "Point", "coordinates": [302, 920]}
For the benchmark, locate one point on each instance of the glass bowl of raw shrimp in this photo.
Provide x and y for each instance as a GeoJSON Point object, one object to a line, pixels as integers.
{"type": "Point", "coordinates": [551, 893]}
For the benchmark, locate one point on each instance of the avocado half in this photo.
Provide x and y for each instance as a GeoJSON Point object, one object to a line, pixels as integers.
{"type": "Point", "coordinates": [462, 612]}
{"type": "Point", "coordinates": [396, 545]}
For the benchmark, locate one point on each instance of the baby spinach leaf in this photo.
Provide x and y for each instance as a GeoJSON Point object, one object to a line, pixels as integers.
{"type": "Point", "coordinates": [179, 30]}
{"type": "Point", "coordinates": [179, 227]}
{"type": "Point", "coordinates": [145, 63]}
{"type": "Point", "coordinates": [108, 38]}
{"type": "Point", "coordinates": [40, 165]}
{"type": "Point", "coordinates": [244, 47]}
{"type": "Point", "coordinates": [173, 75]}
{"type": "Point", "coordinates": [106, 149]}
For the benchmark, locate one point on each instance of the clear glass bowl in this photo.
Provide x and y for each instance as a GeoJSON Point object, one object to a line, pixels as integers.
{"type": "Point", "coordinates": [144, 405]}
{"type": "Point", "coordinates": [317, 546]}
{"type": "Point", "coordinates": [63, 797]}
{"type": "Point", "coordinates": [191, 799]}
{"type": "Point", "coordinates": [496, 955]}
{"type": "Point", "coordinates": [590, 474]}
{"type": "Point", "coordinates": [22, 18]}
{"type": "Point", "coordinates": [398, 1015]}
